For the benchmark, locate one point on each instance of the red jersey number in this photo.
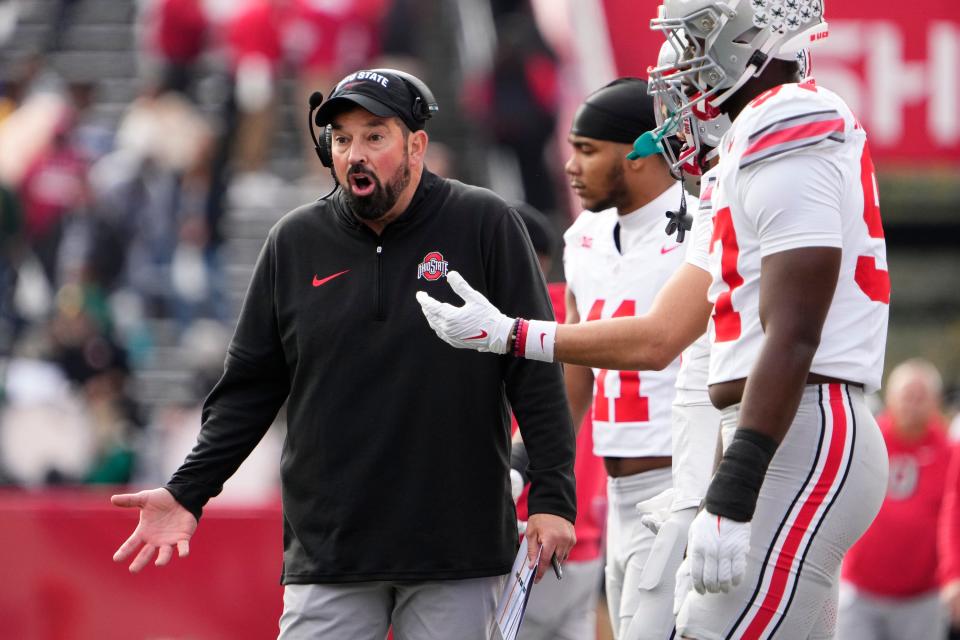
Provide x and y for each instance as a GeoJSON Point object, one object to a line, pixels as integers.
{"type": "Point", "coordinates": [726, 321]}
{"type": "Point", "coordinates": [872, 280]}
{"type": "Point", "coordinates": [630, 406]}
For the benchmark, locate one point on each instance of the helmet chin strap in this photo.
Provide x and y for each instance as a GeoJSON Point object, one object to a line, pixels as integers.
{"type": "Point", "coordinates": [720, 98]}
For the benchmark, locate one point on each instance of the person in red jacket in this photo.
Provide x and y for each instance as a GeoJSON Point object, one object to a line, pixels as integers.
{"type": "Point", "coordinates": [890, 583]}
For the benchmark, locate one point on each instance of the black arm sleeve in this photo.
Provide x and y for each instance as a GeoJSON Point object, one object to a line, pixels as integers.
{"type": "Point", "coordinates": [243, 404]}
{"type": "Point", "coordinates": [535, 389]}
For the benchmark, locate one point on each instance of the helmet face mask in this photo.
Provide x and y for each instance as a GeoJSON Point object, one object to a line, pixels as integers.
{"type": "Point", "coordinates": [698, 130]}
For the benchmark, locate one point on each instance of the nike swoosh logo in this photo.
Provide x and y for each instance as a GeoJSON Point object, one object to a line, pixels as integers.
{"type": "Point", "coordinates": [542, 336]}
{"type": "Point", "coordinates": [481, 336]}
{"type": "Point", "coordinates": [664, 250]}
{"type": "Point", "coordinates": [318, 282]}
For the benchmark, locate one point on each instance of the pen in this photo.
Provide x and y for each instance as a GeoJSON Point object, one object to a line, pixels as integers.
{"type": "Point", "coordinates": [556, 567]}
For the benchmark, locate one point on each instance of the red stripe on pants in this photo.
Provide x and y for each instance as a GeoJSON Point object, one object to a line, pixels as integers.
{"type": "Point", "coordinates": [783, 562]}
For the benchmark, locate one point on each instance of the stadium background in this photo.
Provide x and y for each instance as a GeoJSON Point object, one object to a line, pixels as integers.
{"type": "Point", "coordinates": [130, 217]}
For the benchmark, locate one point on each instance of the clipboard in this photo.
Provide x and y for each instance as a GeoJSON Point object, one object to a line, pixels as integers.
{"type": "Point", "coordinates": [516, 593]}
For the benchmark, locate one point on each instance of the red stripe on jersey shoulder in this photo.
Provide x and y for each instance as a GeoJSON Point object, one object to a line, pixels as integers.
{"type": "Point", "coordinates": [817, 130]}
{"type": "Point", "coordinates": [793, 133]}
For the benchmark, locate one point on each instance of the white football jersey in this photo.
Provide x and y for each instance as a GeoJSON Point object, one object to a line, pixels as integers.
{"type": "Point", "coordinates": [631, 410]}
{"type": "Point", "coordinates": [795, 171]}
{"type": "Point", "coordinates": [695, 362]}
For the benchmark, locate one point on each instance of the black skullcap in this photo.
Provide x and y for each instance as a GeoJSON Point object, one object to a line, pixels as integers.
{"type": "Point", "coordinates": [618, 112]}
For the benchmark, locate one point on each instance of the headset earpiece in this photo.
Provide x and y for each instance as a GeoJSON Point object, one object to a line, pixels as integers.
{"type": "Point", "coordinates": [325, 147]}
{"type": "Point", "coordinates": [424, 105]}
{"type": "Point", "coordinates": [321, 146]}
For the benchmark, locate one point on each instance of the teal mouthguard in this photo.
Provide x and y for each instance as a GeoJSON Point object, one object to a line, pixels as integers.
{"type": "Point", "coordinates": [650, 143]}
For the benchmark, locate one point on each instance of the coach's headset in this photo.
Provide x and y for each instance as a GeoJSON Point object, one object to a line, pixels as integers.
{"type": "Point", "coordinates": [423, 107]}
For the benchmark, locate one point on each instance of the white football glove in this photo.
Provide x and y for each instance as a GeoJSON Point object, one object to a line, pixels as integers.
{"type": "Point", "coordinates": [655, 511]}
{"type": "Point", "coordinates": [717, 552]}
{"type": "Point", "coordinates": [477, 325]}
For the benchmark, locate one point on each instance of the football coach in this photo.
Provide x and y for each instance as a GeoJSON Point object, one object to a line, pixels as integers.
{"type": "Point", "coordinates": [396, 493]}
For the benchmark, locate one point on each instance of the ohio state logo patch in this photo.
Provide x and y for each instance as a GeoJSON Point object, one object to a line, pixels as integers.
{"type": "Point", "coordinates": [433, 267]}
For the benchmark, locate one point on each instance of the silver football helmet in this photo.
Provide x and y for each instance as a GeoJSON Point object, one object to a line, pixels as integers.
{"type": "Point", "coordinates": [720, 44]}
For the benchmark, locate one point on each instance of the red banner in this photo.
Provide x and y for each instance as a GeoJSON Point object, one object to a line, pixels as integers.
{"type": "Point", "coordinates": [61, 583]}
{"type": "Point", "coordinates": [897, 64]}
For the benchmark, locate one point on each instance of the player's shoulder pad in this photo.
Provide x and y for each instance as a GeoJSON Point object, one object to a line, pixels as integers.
{"type": "Point", "coordinates": [789, 118]}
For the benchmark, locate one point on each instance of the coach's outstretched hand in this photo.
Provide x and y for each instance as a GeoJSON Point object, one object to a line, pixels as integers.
{"type": "Point", "coordinates": [555, 534]}
{"type": "Point", "coordinates": [476, 325]}
{"type": "Point", "coordinates": [164, 524]}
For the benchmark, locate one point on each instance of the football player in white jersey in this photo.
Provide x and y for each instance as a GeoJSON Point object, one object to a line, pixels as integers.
{"type": "Point", "coordinates": [616, 259]}
{"type": "Point", "coordinates": [695, 421]}
{"type": "Point", "coordinates": [695, 430]}
{"type": "Point", "coordinates": [800, 295]}
{"type": "Point", "coordinates": [798, 331]}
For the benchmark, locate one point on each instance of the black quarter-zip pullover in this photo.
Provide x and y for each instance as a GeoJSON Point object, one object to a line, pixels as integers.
{"type": "Point", "coordinates": [395, 464]}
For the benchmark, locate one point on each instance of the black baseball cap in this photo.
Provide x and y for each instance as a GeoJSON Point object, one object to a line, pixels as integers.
{"type": "Point", "coordinates": [379, 91]}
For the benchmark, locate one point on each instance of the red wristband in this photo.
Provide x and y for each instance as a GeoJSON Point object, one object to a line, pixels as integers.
{"type": "Point", "coordinates": [520, 344]}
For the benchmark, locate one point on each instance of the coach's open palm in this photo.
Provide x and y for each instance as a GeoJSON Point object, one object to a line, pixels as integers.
{"type": "Point", "coordinates": [164, 524]}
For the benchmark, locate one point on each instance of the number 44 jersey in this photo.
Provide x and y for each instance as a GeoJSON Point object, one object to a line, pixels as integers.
{"type": "Point", "coordinates": [795, 171]}
{"type": "Point", "coordinates": [631, 410]}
